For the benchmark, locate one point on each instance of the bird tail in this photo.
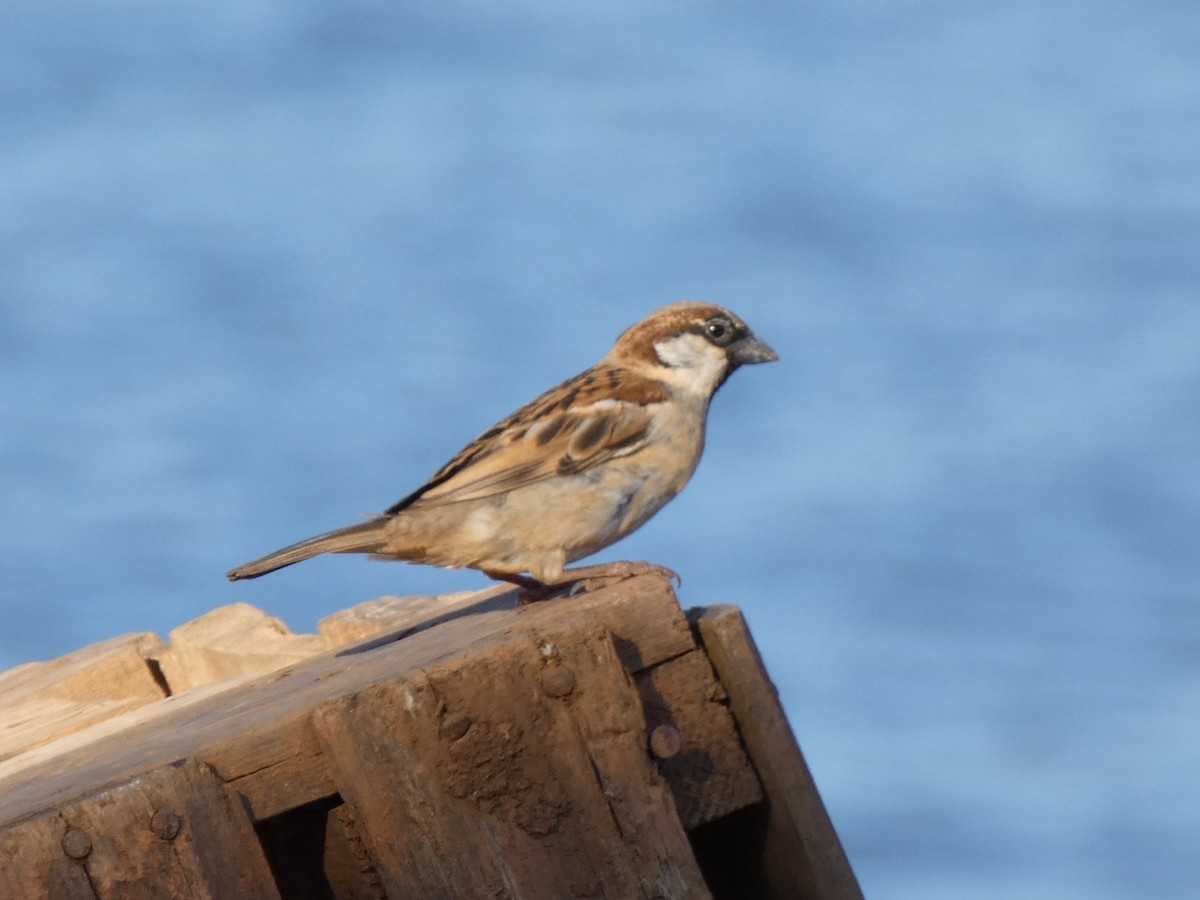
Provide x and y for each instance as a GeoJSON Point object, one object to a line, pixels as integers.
{"type": "Point", "coordinates": [365, 537]}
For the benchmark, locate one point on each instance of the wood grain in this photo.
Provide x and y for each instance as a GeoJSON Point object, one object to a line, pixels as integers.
{"type": "Point", "coordinates": [173, 832]}
{"type": "Point", "coordinates": [802, 857]}
{"type": "Point", "coordinates": [501, 776]}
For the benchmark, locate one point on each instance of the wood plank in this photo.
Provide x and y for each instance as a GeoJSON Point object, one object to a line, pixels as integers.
{"type": "Point", "coordinates": [40, 702]}
{"type": "Point", "coordinates": [173, 832]}
{"type": "Point", "coordinates": [642, 613]}
{"type": "Point", "coordinates": [401, 616]}
{"type": "Point", "coordinates": [348, 866]}
{"type": "Point", "coordinates": [703, 759]}
{"type": "Point", "coordinates": [250, 725]}
{"type": "Point", "coordinates": [229, 641]}
{"type": "Point", "coordinates": [275, 767]}
{"type": "Point", "coordinates": [35, 866]}
{"type": "Point", "coordinates": [612, 722]}
{"type": "Point", "coordinates": [803, 856]}
{"type": "Point", "coordinates": [538, 786]}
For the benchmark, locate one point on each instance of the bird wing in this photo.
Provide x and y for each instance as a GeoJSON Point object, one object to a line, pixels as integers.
{"type": "Point", "coordinates": [599, 414]}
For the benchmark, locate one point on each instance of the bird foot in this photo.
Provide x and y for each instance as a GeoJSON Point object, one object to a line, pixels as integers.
{"type": "Point", "coordinates": [531, 590]}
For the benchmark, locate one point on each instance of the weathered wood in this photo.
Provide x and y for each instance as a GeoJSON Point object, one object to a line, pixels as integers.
{"type": "Point", "coordinates": [275, 767]}
{"type": "Point", "coordinates": [538, 786]}
{"type": "Point", "coordinates": [554, 750]}
{"type": "Point", "coordinates": [251, 724]}
{"type": "Point", "coordinates": [627, 609]}
{"type": "Point", "coordinates": [170, 833]}
{"type": "Point", "coordinates": [34, 864]}
{"type": "Point", "coordinates": [40, 702]}
{"type": "Point", "coordinates": [802, 855]}
{"type": "Point", "coordinates": [402, 615]}
{"type": "Point", "coordinates": [348, 864]}
{"type": "Point", "coordinates": [233, 640]}
{"type": "Point", "coordinates": [611, 721]}
{"type": "Point", "coordinates": [704, 761]}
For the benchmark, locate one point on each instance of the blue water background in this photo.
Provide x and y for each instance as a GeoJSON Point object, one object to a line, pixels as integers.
{"type": "Point", "coordinates": [265, 266]}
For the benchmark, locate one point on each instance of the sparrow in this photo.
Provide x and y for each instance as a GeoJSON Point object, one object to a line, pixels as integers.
{"type": "Point", "coordinates": [570, 473]}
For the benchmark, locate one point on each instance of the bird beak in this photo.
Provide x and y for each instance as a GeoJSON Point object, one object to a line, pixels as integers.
{"type": "Point", "coordinates": [751, 349]}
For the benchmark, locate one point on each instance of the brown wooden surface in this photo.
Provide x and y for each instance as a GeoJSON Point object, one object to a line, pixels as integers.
{"type": "Point", "coordinates": [803, 857]}
{"type": "Point", "coordinates": [40, 702]}
{"type": "Point", "coordinates": [232, 640]}
{"type": "Point", "coordinates": [34, 865]}
{"type": "Point", "coordinates": [246, 727]}
{"type": "Point", "coordinates": [399, 615]}
{"type": "Point", "coordinates": [539, 777]}
{"type": "Point", "coordinates": [578, 746]}
{"type": "Point", "coordinates": [708, 771]}
{"type": "Point", "coordinates": [173, 832]}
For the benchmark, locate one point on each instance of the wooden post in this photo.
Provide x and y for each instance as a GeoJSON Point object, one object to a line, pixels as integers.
{"type": "Point", "coordinates": [175, 831]}
{"type": "Point", "coordinates": [801, 855]}
{"type": "Point", "coordinates": [522, 773]}
{"type": "Point", "coordinates": [577, 747]}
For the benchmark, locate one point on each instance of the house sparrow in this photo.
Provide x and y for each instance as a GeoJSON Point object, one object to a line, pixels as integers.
{"type": "Point", "coordinates": [567, 475]}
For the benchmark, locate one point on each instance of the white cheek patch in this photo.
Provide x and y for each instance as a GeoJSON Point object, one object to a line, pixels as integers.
{"type": "Point", "coordinates": [683, 351]}
{"type": "Point", "coordinates": [695, 363]}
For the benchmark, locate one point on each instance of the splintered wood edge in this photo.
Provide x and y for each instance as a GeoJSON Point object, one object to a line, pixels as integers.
{"type": "Point", "coordinates": [44, 702]}
{"type": "Point", "coordinates": [799, 824]}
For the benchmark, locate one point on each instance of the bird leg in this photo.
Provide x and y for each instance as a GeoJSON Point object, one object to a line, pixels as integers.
{"type": "Point", "coordinates": [532, 590]}
{"type": "Point", "coordinates": [522, 581]}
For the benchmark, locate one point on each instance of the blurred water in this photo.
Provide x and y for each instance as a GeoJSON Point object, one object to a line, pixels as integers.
{"type": "Point", "coordinates": [265, 267]}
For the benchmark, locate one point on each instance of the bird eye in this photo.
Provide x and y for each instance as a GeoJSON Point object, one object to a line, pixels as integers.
{"type": "Point", "coordinates": [719, 330]}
